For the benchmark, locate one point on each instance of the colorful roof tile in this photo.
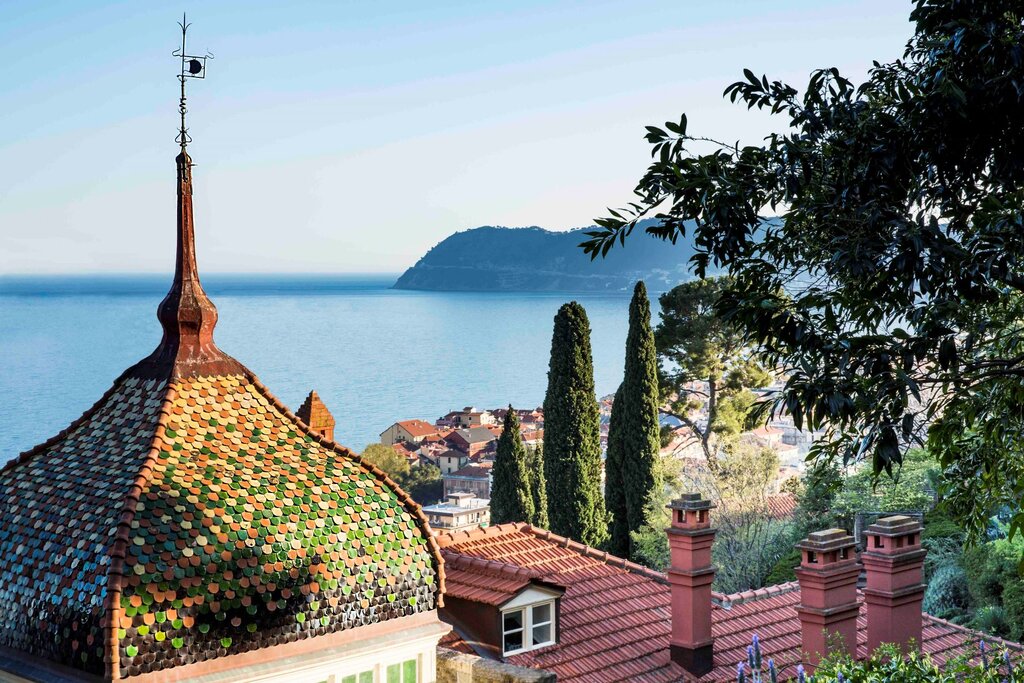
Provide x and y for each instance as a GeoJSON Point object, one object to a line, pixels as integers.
{"type": "Point", "coordinates": [189, 515]}
{"type": "Point", "coordinates": [615, 615]}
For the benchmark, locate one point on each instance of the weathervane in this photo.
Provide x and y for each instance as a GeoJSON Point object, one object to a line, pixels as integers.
{"type": "Point", "coordinates": [191, 67]}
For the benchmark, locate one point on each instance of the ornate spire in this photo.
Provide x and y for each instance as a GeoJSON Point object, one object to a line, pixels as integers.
{"type": "Point", "coordinates": [186, 313]}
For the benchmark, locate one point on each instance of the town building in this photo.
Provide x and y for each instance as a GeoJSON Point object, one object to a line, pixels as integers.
{"type": "Point", "coordinates": [472, 441]}
{"type": "Point", "coordinates": [190, 527]}
{"type": "Point", "coordinates": [412, 431]}
{"type": "Point", "coordinates": [467, 418]}
{"type": "Point", "coordinates": [523, 600]}
{"type": "Point", "coordinates": [459, 511]}
{"type": "Point", "coordinates": [451, 460]}
{"type": "Point", "coordinates": [474, 478]}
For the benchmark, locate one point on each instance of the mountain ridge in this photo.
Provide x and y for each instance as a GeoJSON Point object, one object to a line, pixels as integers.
{"type": "Point", "coordinates": [495, 258]}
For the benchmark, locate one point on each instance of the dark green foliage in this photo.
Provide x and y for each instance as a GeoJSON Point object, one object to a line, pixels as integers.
{"type": "Point", "coordinates": [511, 494]}
{"type": "Point", "coordinates": [538, 486]}
{"type": "Point", "coordinates": [695, 344]}
{"type": "Point", "coordinates": [1013, 604]}
{"type": "Point", "coordinates": [824, 481]}
{"type": "Point", "coordinates": [947, 595]}
{"type": "Point", "coordinates": [423, 483]}
{"type": "Point", "coordinates": [889, 282]}
{"type": "Point", "coordinates": [639, 429]}
{"type": "Point", "coordinates": [783, 571]}
{"type": "Point", "coordinates": [614, 485]}
{"type": "Point", "coordinates": [572, 436]}
{"type": "Point", "coordinates": [991, 619]}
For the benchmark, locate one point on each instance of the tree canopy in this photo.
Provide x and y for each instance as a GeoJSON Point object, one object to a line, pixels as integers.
{"type": "Point", "coordinates": [706, 361]}
{"type": "Point", "coordinates": [511, 494]}
{"type": "Point", "coordinates": [888, 283]}
{"type": "Point", "coordinates": [572, 433]}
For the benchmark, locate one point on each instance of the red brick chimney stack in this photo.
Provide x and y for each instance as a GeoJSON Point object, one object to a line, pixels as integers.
{"type": "Point", "coordinates": [894, 559]}
{"type": "Point", "coordinates": [689, 538]}
{"type": "Point", "coordinates": [828, 593]}
{"type": "Point", "coordinates": [315, 414]}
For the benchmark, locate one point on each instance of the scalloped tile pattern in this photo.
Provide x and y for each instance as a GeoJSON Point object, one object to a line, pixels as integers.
{"type": "Point", "coordinates": [60, 511]}
{"type": "Point", "coordinates": [251, 534]}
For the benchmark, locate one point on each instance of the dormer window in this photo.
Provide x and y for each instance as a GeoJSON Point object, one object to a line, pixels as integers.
{"type": "Point", "coordinates": [528, 628]}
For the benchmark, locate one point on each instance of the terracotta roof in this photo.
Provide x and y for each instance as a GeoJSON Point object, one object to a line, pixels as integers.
{"type": "Point", "coordinates": [781, 505]}
{"type": "Point", "coordinates": [418, 427]}
{"type": "Point", "coordinates": [615, 615]}
{"type": "Point", "coordinates": [487, 581]}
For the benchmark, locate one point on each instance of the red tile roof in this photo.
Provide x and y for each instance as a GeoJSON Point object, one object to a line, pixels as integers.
{"type": "Point", "coordinates": [487, 581]}
{"type": "Point", "coordinates": [781, 505]}
{"type": "Point", "coordinates": [615, 615]}
{"type": "Point", "coordinates": [418, 428]}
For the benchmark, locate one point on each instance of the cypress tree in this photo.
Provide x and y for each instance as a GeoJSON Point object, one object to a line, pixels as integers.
{"type": "Point", "coordinates": [638, 421]}
{"type": "Point", "coordinates": [511, 494]}
{"type": "Point", "coordinates": [614, 486]}
{"type": "Point", "coordinates": [572, 433]}
{"type": "Point", "coordinates": [539, 487]}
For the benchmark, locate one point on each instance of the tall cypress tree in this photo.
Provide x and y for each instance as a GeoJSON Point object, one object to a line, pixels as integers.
{"type": "Point", "coordinates": [638, 421]}
{"type": "Point", "coordinates": [511, 494]}
{"type": "Point", "coordinates": [572, 433]}
{"type": "Point", "coordinates": [539, 488]}
{"type": "Point", "coordinates": [614, 486]}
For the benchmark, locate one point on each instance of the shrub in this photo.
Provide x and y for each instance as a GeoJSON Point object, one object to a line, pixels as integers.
{"type": "Point", "coordinates": [1013, 604]}
{"type": "Point", "coordinates": [783, 570]}
{"type": "Point", "coordinates": [991, 619]}
{"type": "Point", "coordinates": [947, 595]}
{"type": "Point", "coordinates": [886, 665]}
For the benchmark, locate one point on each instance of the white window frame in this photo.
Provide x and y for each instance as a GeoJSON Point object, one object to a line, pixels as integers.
{"type": "Point", "coordinates": [528, 626]}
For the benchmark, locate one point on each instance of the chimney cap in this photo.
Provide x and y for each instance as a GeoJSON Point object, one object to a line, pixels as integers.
{"type": "Point", "coordinates": [894, 525]}
{"type": "Point", "coordinates": [829, 539]}
{"type": "Point", "coordinates": [690, 501]}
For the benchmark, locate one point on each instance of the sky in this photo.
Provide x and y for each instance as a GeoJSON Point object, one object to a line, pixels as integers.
{"type": "Point", "coordinates": [349, 137]}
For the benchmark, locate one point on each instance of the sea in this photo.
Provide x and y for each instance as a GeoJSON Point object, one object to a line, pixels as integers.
{"type": "Point", "coordinates": [374, 354]}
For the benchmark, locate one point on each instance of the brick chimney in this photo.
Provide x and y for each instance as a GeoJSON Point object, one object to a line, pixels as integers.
{"type": "Point", "coordinates": [828, 594]}
{"type": "Point", "coordinates": [894, 559]}
{"type": "Point", "coordinates": [315, 414]}
{"type": "Point", "coordinates": [689, 538]}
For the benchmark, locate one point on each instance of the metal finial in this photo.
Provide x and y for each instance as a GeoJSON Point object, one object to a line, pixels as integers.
{"type": "Point", "coordinates": [192, 66]}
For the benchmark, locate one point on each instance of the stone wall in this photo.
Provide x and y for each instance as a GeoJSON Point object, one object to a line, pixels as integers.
{"type": "Point", "coordinates": [455, 667]}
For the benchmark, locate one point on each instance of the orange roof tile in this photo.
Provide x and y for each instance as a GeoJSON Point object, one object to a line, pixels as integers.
{"type": "Point", "coordinates": [418, 428]}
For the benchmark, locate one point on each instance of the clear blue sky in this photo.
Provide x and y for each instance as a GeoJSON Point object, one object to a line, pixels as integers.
{"type": "Point", "coordinates": [352, 136]}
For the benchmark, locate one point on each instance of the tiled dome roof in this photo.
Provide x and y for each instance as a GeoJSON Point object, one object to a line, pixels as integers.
{"type": "Point", "coordinates": [188, 515]}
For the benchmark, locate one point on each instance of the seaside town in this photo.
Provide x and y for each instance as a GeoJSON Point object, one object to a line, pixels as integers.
{"type": "Point", "coordinates": [786, 485]}
{"type": "Point", "coordinates": [462, 445]}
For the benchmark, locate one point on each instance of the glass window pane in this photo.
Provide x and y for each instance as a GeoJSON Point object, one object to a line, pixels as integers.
{"type": "Point", "coordinates": [349, 679]}
{"type": "Point", "coordinates": [542, 613]}
{"type": "Point", "coordinates": [394, 673]}
{"type": "Point", "coordinates": [541, 634]}
{"type": "Point", "coordinates": [366, 677]}
{"type": "Point", "coordinates": [409, 671]}
{"type": "Point", "coordinates": [513, 620]}
{"type": "Point", "coordinates": [513, 641]}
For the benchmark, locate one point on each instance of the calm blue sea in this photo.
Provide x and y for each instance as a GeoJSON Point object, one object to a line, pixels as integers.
{"type": "Point", "coordinates": [374, 354]}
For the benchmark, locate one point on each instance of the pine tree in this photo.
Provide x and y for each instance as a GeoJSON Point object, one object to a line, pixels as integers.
{"type": "Point", "coordinates": [614, 490]}
{"type": "Point", "coordinates": [539, 487]}
{"type": "Point", "coordinates": [638, 417]}
{"type": "Point", "coordinates": [572, 436]}
{"type": "Point", "coordinates": [511, 494]}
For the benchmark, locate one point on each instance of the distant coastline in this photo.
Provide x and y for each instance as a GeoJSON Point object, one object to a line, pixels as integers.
{"type": "Point", "coordinates": [488, 259]}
